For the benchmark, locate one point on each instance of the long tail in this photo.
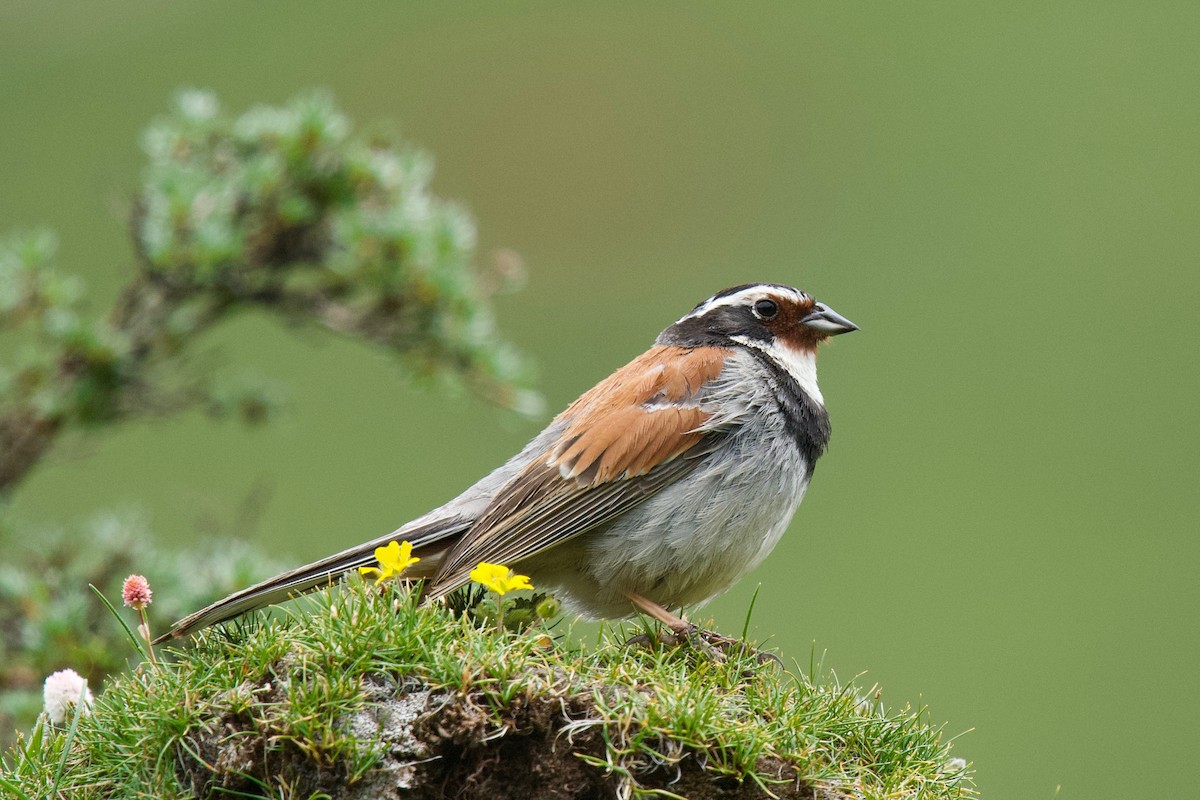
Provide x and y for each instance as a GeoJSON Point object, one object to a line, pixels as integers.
{"type": "Point", "coordinates": [429, 541]}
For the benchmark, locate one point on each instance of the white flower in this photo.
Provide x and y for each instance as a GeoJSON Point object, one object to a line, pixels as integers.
{"type": "Point", "coordinates": [62, 691]}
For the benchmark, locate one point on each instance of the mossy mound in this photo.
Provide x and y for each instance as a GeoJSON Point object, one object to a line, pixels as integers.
{"type": "Point", "coordinates": [365, 694]}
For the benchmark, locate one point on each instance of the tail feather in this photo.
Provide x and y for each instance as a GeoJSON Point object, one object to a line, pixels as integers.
{"type": "Point", "coordinates": [428, 540]}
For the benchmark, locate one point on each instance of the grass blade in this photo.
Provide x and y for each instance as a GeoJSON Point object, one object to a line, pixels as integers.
{"type": "Point", "coordinates": [133, 638]}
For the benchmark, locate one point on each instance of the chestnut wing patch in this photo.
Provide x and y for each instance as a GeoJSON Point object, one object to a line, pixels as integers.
{"type": "Point", "coordinates": [625, 440]}
{"type": "Point", "coordinates": [637, 418]}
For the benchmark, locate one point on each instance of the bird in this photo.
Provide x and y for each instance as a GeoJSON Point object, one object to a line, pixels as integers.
{"type": "Point", "coordinates": [656, 489]}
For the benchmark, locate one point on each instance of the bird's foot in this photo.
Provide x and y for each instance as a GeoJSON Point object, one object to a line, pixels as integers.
{"type": "Point", "coordinates": [712, 644]}
{"type": "Point", "coordinates": [723, 647]}
{"type": "Point", "coordinates": [684, 633]}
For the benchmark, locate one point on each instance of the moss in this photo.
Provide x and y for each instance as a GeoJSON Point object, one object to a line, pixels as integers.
{"type": "Point", "coordinates": [364, 693]}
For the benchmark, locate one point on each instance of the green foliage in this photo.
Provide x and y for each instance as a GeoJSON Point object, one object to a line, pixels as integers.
{"type": "Point", "coordinates": [49, 621]}
{"type": "Point", "coordinates": [283, 209]}
{"type": "Point", "coordinates": [292, 693]}
{"type": "Point", "coordinates": [517, 613]}
{"type": "Point", "coordinates": [68, 365]}
{"type": "Point", "coordinates": [286, 207]}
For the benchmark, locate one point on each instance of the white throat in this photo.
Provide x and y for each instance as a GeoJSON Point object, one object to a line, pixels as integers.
{"type": "Point", "coordinates": [800, 364]}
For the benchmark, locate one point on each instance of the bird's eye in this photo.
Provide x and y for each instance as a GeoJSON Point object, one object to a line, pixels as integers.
{"type": "Point", "coordinates": [766, 308]}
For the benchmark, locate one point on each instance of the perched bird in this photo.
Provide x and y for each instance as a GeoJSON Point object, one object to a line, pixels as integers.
{"type": "Point", "coordinates": [658, 488]}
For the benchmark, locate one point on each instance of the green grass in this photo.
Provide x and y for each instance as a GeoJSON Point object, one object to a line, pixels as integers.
{"type": "Point", "coordinates": [302, 706]}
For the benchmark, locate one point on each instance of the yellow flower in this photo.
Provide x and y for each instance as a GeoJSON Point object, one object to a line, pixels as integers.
{"type": "Point", "coordinates": [500, 579]}
{"type": "Point", "coordinates": [394, 558]}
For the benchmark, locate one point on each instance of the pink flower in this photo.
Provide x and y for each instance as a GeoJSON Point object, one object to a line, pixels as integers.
{"type": "Point", "coordinates": [136, 592]}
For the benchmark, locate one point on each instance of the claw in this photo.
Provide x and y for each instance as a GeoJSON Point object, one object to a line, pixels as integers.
{"type": "Point", "coordinates": [713, 644]}
{"type": "Point", "coordinates": [722, 646]}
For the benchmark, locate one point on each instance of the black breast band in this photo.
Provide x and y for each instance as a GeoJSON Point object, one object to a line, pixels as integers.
{"type": "Point", "coordinates": [805, 419]}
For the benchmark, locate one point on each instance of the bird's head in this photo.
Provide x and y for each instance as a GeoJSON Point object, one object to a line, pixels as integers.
{"type": "Point", "coordinates": [761, 315]}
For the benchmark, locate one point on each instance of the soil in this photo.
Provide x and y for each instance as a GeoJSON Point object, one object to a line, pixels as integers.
{"type": "Point", "coordinates": [436, 745]}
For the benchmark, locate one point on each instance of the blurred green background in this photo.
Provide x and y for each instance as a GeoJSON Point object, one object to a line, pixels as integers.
{"type": "Point", "coordinates": [1004, 198]}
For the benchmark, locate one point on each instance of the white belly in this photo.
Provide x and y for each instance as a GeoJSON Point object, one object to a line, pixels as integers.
{"type": "Point", "coordinates": [689, 542]}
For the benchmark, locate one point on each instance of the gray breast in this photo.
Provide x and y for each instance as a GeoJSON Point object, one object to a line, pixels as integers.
{"type": "Point", "coordinates": [697, 536]}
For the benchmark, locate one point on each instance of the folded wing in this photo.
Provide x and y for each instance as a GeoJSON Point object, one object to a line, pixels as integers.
{"type": "Point", "coordinates": [632, 435]}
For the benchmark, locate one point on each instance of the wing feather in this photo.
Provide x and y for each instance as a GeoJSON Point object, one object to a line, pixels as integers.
{"type": "Point", "coordinates": [571, 512]}
{"type": "Point", "coordinates": [622, 442]}
{"type": "Point", "coordinates": [429, 539]}
{"type": "Point", "coordinates": [644, 400]}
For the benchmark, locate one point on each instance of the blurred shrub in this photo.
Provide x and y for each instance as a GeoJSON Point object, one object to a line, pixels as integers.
{"type": "Point", "coordinates": [283, 209]}
{"type": "Point", "coordinates": [50, 620]}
